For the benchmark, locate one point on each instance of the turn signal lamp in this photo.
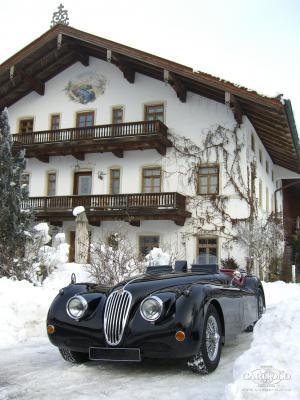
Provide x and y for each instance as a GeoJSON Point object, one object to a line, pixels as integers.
{"type": "Point", "coordinates": [50, 329]}
{"type": "Point", "coordinates": [180, 336]}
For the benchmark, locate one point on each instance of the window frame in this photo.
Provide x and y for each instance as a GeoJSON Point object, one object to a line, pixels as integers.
{"type": "Point", "coordinates": [51, 121]}
{"type": "Point", "coordinates": [156, 104]}
{"type": "Point", "coordinates": [80, 113]}
{"type": "Point", "coordinates": [113, 110]}
{"type": "Point", "coordinates": [29, 179]}
{"type": "Point", "coordinates": [111, 179]}
{"type": "Point", "coordinates": [208, 246]}
{"type": "Point", "coordinates": [147, 236]}
{"type": "Point", "coordinates": [253, 142]}
{"type": "Point", "coordinates": [198, 174]}
{"type": "Point", "coordinates": [260, 193]}
{"type": "Point", "coordinates": [152, 177]}
{"type": "Point", "coordinates": [20, 120]}
{"type": "Point", "coordinates": [48, 175]}
{"type": "Point", "coordinates": [260, 156]}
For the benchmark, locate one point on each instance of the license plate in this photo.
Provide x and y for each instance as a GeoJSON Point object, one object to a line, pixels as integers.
{"type": "Point", "coordinates": [117, 354]}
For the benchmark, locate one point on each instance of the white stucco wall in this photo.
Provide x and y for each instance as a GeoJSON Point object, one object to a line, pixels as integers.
{"type": "Point", "coordinates": [191, 119]}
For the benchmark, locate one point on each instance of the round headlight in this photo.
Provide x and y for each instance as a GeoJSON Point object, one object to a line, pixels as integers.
{"type": "Point", "coordinates": [76, 307]}
{"type": "Point", "coordinates": [151, 308]}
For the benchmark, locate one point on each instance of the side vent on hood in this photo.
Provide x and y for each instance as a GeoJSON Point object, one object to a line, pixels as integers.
{"type": "Point", "coordinates": [207, 268]}
{"type": "Point", "coordinates": [159, 269]}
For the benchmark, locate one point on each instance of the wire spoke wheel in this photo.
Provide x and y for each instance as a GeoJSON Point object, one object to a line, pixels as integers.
{"type": "Point", "coordinates": [212, 338]}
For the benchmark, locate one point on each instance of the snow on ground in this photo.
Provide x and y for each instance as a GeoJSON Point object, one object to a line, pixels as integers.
{"type": "Point", "coordinates": [270, 368]}
{"type": "Point", "coordinates": [33, 369]}
{"type": "Point", "coordinates": [24, 306]}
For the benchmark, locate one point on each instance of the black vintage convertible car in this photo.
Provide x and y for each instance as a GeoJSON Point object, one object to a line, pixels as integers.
{"type": "Point", "coordinates": [165, 313]}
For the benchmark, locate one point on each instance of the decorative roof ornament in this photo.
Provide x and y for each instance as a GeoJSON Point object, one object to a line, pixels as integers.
{"type": "Point", "coordinates": [60, 17]}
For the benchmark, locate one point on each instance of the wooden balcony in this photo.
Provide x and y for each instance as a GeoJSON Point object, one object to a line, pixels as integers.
{"type": "Point", "coordinates": [127, 207]}
{"type": "Point", "coordinates": [115, 138]}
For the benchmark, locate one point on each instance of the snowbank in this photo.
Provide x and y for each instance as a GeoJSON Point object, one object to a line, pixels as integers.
{"type": "Point", "coordinates": [270, 368]}
{"type": "Point", "coordinates": [24, 306]}
{"type": "Point", "coordinates": [157, 257]}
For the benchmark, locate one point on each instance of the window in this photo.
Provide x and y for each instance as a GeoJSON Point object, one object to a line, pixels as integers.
{"type": "Point", "coordinates": [267, 166]}
{"type": "Point", "coordinates": [146, 244]}
{"type": "Point", "coordinates": [51, 184]}
{"type": "Point", "coordinates": [54, 121]}
{"type": "Point", "coordinates": [208, 180]}
{"type": "Point", "coordinates": [252, 142]}
{"type": "Point", "coordinates": [26, 125]}
{"type": "Point", "coordinates": [272, 176]}
{"type": "Point", "coordinates": [82, 183]}
{"type": "Point", "coordinates": [113, 241]}
{"type": "Point", "coordinates": [151, 180]}
{"type": "Point", "coordinates": [267, 200]}
{"type": "Point", "coordinates": [85, 119]}
{"type": "Point", "coordinates": [154, 112]}
{"type": "Point", "coordinates": [25, 180]}
{"type": "Point", "coordinates": [260, 156]}
{"type": "Point", "coordinates": [260, 193]}
{"type": "Point", "coordinates": [207, 250]}
{"type": "Point", "coordinates": [117, 115]}
{"type": "Point", "coordinates": [114, 181]}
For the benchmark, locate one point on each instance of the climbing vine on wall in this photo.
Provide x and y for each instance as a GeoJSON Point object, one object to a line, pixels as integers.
{"type": "Point", "coordinates": [211, 214]}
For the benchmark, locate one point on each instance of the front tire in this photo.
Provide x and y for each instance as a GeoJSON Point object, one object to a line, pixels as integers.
{"type": "Point", "coordinates": [74, 357]}
{"type": "Point", "coordinates": [208, 358]}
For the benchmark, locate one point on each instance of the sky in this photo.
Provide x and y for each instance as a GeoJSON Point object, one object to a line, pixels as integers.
{"type": "Point", "coordinates": [254, 43]}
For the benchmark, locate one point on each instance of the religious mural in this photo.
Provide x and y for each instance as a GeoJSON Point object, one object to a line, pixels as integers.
{"type": "Point", "coordinates": [85, 87]}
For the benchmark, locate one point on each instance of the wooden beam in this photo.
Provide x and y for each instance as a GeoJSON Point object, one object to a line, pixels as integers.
{"type": "Point", "coordinates": [43, 158]}
{"type": "Point", "coordinates": [235, 106]}
{"type": "Point", "coordinates": [135, 222]}
{"type": "Point", "coordinates": [118, 153]}
{"type": "Point", "coordinates": [79, 156]}
{"type": "Point", "coordinates": [161, 149]}
{"type": "Point", "coordinates": [125, 67]}
{"type": "Point", "coordinates": [56, 223]}
{"type": "Point", "coordinates": [178, 86]}
{"type": "Point", "coordinates": [94, 222]}
{"type": "Point", "coordinates": [81, 55]}
{"type": "Point", "coordinates": [179, 221]}
{"type": "Point", "coordinates": [36, 84]}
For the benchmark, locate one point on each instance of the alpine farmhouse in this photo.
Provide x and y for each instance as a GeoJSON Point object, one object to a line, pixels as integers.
{"type": "Point", "coordinates": [169, 156]}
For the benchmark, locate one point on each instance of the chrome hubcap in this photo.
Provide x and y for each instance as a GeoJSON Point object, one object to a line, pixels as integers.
{"type": "Point", "coordinates": [212, 338]}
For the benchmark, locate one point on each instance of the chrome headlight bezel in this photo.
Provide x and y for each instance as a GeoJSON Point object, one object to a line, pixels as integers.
{"type": "Point", "coordinates": [160, 303]}
{"type": "Point", "coordinates": [84, 305]}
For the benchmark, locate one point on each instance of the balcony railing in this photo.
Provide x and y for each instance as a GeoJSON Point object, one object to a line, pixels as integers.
{"type": "Point", "coordinates": [114, 137]}
{"type": "Point", "coordinates": [138, 206]}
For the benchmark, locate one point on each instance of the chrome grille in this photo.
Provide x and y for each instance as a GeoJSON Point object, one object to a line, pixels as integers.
{"type": "Point", "coordinates": [115, 315]}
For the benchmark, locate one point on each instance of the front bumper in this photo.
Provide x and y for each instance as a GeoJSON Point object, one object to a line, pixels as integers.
{"type": "Point", "coordinates": [156, 343]}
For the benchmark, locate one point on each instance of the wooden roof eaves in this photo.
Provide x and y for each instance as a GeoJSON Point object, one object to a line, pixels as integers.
{"type": "Point", "coordinates": [199, 82]}
{"type": "Point", "coordinates": [130, 52]}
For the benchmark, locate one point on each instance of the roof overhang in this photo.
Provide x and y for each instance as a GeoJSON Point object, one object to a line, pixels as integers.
{"type": "Point", "coordinates": [62, 46]}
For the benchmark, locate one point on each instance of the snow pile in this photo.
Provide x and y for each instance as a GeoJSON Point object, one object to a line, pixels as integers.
{"type": "Point", "coordinates": [78, 210]}
{"type": "Point", "coordinates": [270, 368]}
{"type": "Point", "coordinates": [42, 231]}
{"type": "Point", "coordinates": [24, 306]}
{"type": "Point", "coordinates": [157, 257]}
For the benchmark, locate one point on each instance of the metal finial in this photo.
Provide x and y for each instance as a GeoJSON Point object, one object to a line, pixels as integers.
{"type": "Point", "coordinates": [60, 17]}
